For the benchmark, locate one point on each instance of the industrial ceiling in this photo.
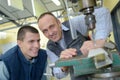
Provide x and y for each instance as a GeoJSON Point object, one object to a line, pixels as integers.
{"type": "Point", "coordinates": [18, 12]}
{"type": "Point", "coordinates": [10, 13]}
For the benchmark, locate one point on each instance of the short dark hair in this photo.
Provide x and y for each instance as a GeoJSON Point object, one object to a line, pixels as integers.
{"type": "Point", "coordinates": [22, 31]}
{"type": "Point", "coordinates": [46, 13]}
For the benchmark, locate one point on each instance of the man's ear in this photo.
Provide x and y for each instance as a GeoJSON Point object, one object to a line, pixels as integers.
{"type": "Point", "coordinates": [19, 43]}
{"type": "Point", "coordinates": [59, 22]}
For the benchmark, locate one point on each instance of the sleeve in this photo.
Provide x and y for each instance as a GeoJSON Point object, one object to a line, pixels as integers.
{"type": "Point", "coordinates": [103, 23]}
{"type": "Point", "coordinates": [79, 25]}
{"type": "Point", "coordinates": [4, 75]}
{"type": "Point", "coordinates": [57, 72]}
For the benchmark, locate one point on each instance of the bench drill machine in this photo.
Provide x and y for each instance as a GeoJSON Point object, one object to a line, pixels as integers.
{"type": "Point", "coordinates": [84, 65]}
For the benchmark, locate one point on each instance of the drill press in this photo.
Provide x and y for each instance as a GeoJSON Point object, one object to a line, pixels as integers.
{"type": "Point", "coordinates": [83, 65]}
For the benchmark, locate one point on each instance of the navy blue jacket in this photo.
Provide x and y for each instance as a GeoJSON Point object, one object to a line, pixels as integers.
{"type": "Point", "coordinates": [20, 68]}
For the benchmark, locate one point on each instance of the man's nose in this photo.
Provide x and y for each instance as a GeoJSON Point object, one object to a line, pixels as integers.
{"type": "Point", "coordinates": [50, 32]}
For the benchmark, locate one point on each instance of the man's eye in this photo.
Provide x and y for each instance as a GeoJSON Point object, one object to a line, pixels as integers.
{"type": "Point", "coordinates": [31, 41]}
{"type": "Point", "coordinates": [52, 26]}
{"type": "Point", "coordinates": [38, 40]}
{"type": "Point", "coordinates": [45, 31]}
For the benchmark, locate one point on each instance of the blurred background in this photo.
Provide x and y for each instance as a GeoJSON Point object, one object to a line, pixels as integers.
{"type": "Point", "coordinates": [15, 13]}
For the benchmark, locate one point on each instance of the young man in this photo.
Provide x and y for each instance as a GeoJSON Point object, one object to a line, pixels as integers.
{"type": "Point", "coordinates": [58, 33]}
{"type": "Point", "coordinates": [25, 61]}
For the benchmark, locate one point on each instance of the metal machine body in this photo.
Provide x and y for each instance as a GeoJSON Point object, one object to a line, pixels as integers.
{"type": "Point", "coordinates": [88, 9]}
{"type": "Point", "coordinates": [85, 66]}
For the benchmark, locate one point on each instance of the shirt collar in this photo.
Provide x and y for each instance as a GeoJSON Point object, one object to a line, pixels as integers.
{"type": "Point", "coordinates": [64, 28]}
{"type": "Point", "coordinates": [22, 57]}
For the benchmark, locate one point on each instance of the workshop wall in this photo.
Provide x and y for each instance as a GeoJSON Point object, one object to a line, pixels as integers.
{"type": "Point", "coordinates": [9, 40]}
{"type": "Point", "coordinates": [110, 4]}
{"type": "Point", "coordinates": [11, 34]}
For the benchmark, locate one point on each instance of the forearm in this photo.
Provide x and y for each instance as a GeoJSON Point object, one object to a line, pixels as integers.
{"type": "Point", "coordinates": [99, 43]}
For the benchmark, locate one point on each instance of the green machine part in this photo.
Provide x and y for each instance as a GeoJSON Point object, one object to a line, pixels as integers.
{"type": "Point", "coordinates": [116, 62]}
{"type": "Point", "coordinates": [83, 66]}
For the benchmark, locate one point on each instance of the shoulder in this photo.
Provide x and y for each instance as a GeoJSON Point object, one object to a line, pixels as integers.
{"type": "Point", "coordinates": [8, 54]}
{"type": "Point", "coordinates": [42, 55]}
{"type": "Point", "coordinates": [101, 10]}
{"type": "Point", "coordinates": [42, 52]}
{"type": "Point", "coordinates": [50, 43]}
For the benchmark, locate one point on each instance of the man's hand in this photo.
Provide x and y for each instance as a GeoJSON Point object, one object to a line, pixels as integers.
{"type": "Point", "coordinates": [89, 45]}
{"type": "Point", "coordinates": [68, 53]}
